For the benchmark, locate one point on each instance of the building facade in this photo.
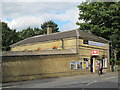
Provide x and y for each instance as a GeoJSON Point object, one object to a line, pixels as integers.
{"type": "Point", "coordinates": [91, 49]}
{"type": "Point", "coordinates": [57, 54]}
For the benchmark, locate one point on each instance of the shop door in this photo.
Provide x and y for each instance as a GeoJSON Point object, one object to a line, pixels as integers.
{"type": "Point", "coordinates": [92, 61]}
{"type": "Point", "coordinates": [91, 66]}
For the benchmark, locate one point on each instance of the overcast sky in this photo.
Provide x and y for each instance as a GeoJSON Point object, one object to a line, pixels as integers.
{"type": "Point", "coordinates": [20, 15]}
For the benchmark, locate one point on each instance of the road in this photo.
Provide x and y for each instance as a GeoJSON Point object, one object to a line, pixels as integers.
{"type": "Point", "coordinates": [107, 80]}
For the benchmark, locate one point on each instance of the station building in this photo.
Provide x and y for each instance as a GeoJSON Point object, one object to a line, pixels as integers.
{"type": "Point", "coordinates": [56, 54]}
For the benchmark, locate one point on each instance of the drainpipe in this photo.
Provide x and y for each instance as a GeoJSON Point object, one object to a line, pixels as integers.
{"type": "Point", "coordinates": [62, 44]}
{"type": "Point", "coordinates": [109, 55]}
{"type": "Point", "coordinates": [77, 41]}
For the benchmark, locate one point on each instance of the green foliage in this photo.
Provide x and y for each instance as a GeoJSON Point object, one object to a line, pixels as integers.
{"type": "Point", "coordinates": [29, 32]}
{"type": "Point", "coordinates": [51, 23]}
{"type": "Point", "coordinates": [112, 61]}
{"type": "Point", "coordinates": [26, 33]}
{"type": "Point", "coordinates": [38, 31]}
{"type": "Point", "coordinates": [102, 19]}
{"type": "Point", "coordinates": [8, 36]}
{"type": "Point", "coordinates": [0, 36]}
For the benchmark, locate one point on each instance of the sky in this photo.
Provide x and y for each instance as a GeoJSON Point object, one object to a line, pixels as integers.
{"type": "Point", "coordinates": [32, 13]}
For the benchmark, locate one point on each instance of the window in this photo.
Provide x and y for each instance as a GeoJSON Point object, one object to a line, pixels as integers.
{"type": "Point", "coordinates": [85, 41]}
{"type": "Point", "coordinates": [104, 62]}
{"type": "Point", "coordinates": [85, 65]}
{"type": "Point", "coordinates": [85, 59]}
{"type": "Point", "coordinates": [73, 65]}
{"type": "Point", "coordinates": [79, 65]}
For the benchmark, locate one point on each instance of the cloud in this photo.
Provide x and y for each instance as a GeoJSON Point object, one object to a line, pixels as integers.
{"type": "Point", "coordinates": [33, 14]}
{"type": "Point", "coordinates": [34, 8]}
{"type": "Point", "coordinates": [0, 11]}
{"type": "Point", "coordinates": [42, 0]}
{"type": "Point", "coordinates": [24, 22]}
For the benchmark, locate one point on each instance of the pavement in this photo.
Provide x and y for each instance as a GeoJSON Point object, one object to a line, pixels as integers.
{"type": "Point", "coordinates": [107, 80]}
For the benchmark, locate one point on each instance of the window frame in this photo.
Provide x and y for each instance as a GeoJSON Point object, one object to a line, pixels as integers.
{"type": "Point", "coordinates": [81, 65]}
{"type": "Point", "coordinates": [73, 64]}
{"type": "Point", "coordinates": [104, 62]}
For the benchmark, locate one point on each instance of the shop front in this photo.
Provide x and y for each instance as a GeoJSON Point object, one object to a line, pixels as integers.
{"type": "Point", "coordinates": [96, 60]}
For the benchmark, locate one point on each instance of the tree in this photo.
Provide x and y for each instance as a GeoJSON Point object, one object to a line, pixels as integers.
{"type": "Point", "coordinates": [0, 36]}
{"type": "Point", "coordinates": [51, 23]}
{"type": "Point", "coordinates": [38, 31]}
{"type": "Point", "coordinates": [102, 19]}
{"type": "Point", "coordinates": [25, 33]}
{"type": "Point", "coordinates": [8, 36]}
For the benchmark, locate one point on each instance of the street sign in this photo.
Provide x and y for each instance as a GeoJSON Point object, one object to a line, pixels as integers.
{"type": "Point", "coordinates": [94, 52]}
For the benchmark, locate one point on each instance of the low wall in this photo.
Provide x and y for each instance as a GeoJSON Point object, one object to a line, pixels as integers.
{"type": "Point", "coordinates": [18, 68]}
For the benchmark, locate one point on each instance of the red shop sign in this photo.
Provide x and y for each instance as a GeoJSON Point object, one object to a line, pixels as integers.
{"type": "Point", "coordinates": [94, 52]}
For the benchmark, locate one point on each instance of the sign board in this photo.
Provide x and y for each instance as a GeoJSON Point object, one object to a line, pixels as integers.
{"type": "Point", "coordinates": [96, 43]}
{"type": "Point", "coordinates": [94, 52]}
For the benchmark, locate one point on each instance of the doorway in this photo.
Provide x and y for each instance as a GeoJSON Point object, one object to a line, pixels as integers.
{"type": "Point", "coordinates": [91, 66]}
{"type": "Point", "coordinates": [94, 60]}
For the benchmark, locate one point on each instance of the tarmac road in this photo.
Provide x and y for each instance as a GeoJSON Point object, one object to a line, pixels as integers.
{"type": "Point", "coordinates": [107, 80]}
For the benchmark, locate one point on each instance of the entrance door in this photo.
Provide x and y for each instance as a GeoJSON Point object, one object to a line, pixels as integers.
{"type": "Point", "coordinates": [92, 68]}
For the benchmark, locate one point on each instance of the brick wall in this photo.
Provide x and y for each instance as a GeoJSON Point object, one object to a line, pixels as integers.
{"type": "Point", "coordinates": [46, 45]}
{"type": "Point", "coordinates": [17, 68]}
{"type": "Point", "coordinates": [34, 65]}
